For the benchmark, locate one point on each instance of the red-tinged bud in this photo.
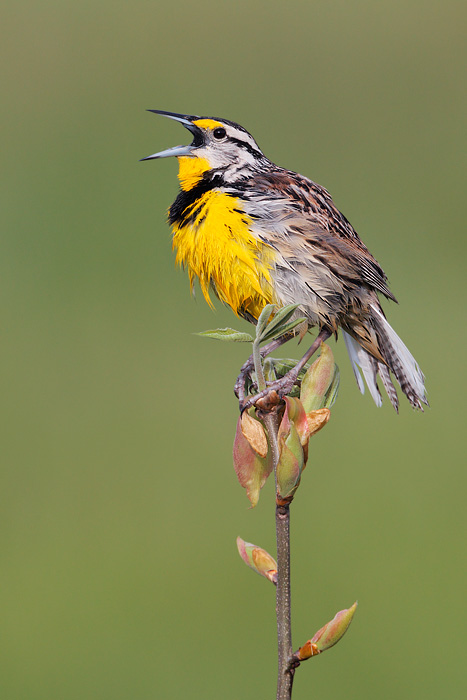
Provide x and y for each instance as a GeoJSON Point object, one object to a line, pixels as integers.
{"type": "Point", "coordinates": [295, 414]}
{"type": "Point", "coordinates": [325, 638]}
{"type": "Point", "coordinates": [251, 469]}
{"type": "Point", "coordinates": [253, 431]}
{"type": "Point", "coordinates": [330, 634]}
{"type": "Point", "coordinates": [321, 382]}
{"type": "Point", "coordinates": [291, 456]}
{"type": "Point", "coordinates": [245, 549]}
{"type": "Point", "coordinates": [307, 651]}
{"type": "Point", "coordinates": [258, 559]}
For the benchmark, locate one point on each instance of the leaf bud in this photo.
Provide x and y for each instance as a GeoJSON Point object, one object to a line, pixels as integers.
{"type": "Point", "coordinates": [332, 632]}
{"type": "Point", "coordinates": [321, 382]}
{"type": "Point", "coordinates": [291, 456]}
{"type": "Point", "coordinates": [258, 559]}
{"type": "Point", "coordinates": [251, 469]}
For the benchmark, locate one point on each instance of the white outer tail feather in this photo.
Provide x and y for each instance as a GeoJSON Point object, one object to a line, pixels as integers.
{"type": "Point", "coordinates": [360, 359]}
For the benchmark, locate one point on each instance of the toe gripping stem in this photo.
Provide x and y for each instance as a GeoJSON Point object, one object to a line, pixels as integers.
{"type": "Point", "coordinates": [283, 385]}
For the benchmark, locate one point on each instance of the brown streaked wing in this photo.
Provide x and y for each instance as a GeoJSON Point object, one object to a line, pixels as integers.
{"type": "Point", "coordinates": [311, 216]}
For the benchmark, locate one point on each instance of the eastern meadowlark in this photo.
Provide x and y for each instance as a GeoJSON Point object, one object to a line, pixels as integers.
{"type": "Point", "coordinates": [255, 234]}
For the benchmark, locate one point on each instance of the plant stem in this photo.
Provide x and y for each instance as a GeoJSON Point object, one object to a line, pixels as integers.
{"type": "Point", "coordinates": [260, 380]}
{"type": "Point", "coordinates": [283, 607]}
{"type": "Point", "coordinates": [285, 675]}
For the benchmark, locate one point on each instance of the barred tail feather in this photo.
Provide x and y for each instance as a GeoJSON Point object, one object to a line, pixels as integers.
{"type": "Point", "coordinates": [399, 360]}
{"type": "Point", "coordinates": [388, 385]}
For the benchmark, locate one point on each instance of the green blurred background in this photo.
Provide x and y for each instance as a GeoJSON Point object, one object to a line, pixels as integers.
{"type": "Point", "coordinates": [119, 507]}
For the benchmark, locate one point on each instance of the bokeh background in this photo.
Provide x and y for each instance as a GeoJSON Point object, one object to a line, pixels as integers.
{"type": "Point", "coordinates": [119, 507]}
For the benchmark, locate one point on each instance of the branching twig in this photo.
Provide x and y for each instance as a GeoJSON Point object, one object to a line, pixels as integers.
{"type": "Point", "coordinates": [289, 422]}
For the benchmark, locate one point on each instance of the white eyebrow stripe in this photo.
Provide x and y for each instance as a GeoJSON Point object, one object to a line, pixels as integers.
{"type": "Point", "coordinates": [243, 137]}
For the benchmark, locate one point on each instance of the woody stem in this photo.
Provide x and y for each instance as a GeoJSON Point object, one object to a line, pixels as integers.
{"type": "Point", "coordinates": [285, 674]}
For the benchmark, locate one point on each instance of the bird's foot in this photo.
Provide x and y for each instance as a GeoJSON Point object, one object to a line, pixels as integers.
{"type": "Point", "coordinates": [274, 392]}
{"type": "Point", "coordinates": [245, 372]}
{"type": "Point", "coordinates": [281, 386]}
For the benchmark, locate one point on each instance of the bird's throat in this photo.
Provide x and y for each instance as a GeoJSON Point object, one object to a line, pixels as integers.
{"type": "Point", "coordinates": [191, 171]}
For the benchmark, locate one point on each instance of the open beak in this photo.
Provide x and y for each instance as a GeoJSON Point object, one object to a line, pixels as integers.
{"type": "Point", "coordinates": [187, 122]}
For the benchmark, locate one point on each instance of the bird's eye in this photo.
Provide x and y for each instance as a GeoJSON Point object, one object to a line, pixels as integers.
{"type": "Point", "coordinates": [219, 133]}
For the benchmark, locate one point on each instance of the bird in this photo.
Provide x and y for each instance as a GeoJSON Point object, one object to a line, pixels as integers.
{"type": "Point", "coordinates": [255, 233]}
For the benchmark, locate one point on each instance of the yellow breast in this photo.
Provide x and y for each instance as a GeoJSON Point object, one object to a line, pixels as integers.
{"type": "Point", "coordinates": [219, 249]}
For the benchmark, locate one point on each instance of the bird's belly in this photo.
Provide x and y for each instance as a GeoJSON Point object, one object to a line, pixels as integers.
{"type": "Point", "coordinates": [289, 290]}
{"type": "Point", "coordinates": [214, 241]}
{"type": "Point", "coordinates": [317, 299]}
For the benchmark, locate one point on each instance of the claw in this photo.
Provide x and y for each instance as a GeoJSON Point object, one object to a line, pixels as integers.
{"type": "Point", "coordinates": [239, 386]}
{"type": "Point", "coordinates": [281, 386]}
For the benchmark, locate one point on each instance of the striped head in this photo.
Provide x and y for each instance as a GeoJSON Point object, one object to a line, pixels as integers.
{"type": "Point", "coordinates": [220, 147]}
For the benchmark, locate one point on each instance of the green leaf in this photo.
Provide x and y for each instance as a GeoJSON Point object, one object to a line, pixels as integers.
{"type": "Point", "coordinates": [281, 317]}
{"type": "Point", "coordinates": [331, 394]}
{"type": "Point", "coordinates": [263, 319]}
{"type": "Point", "coordinates": [271, 333]}
{"type": "Point", "coordinates": [275, 368]}
{"type": "Point", "coordinates": [268, 370]}
{"type": "Point", "coordinates": [228, 334]}
{"type": "Point", "coordinates": [282, 365]}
